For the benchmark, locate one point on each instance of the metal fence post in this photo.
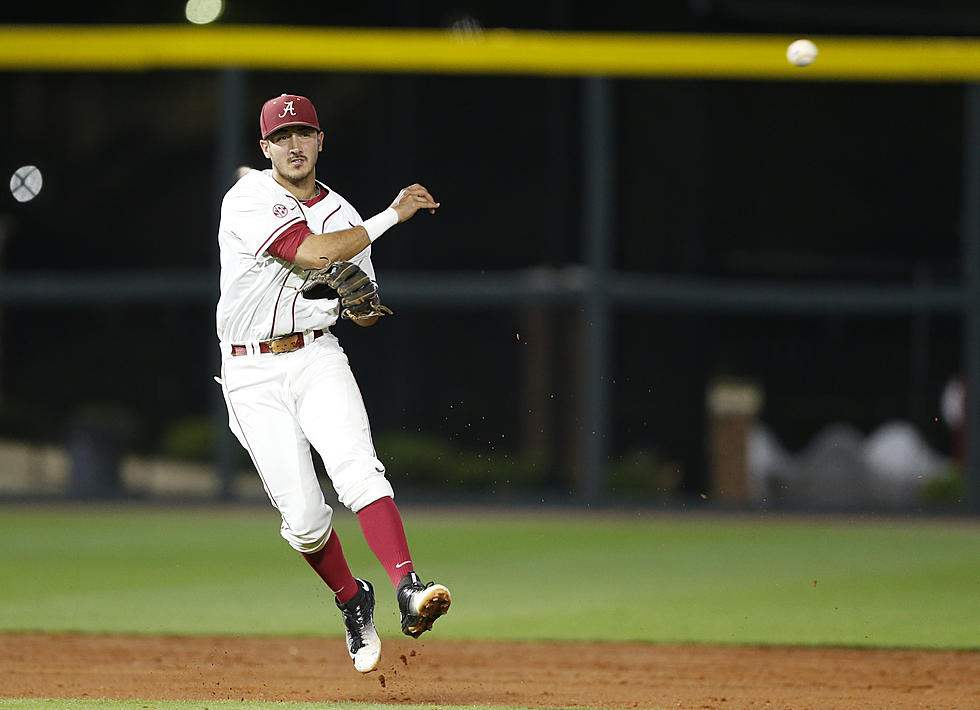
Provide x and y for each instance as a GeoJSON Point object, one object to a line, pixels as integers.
{"type": "Point", "coordinates": [228, 134]}
{"type": "Point", "coordinates": [598, 182]}
{"type": "Point", "coordinates": [971, 279]}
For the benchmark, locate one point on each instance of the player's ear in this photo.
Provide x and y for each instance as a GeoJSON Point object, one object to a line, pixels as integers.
{"type": "Point", "coordinates": [319, 141]}
{"type": "Point", "coordinates": [264, 146]}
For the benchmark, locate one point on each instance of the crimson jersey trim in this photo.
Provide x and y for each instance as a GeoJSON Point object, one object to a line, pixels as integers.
{"type": "Point", "coordinates": [287, 244]}
{"type": "Point", "coordinates": [313, 200]}
{"type": "Point", "coordinates": [275, 309]}
{"type": "Point", "coordinates": [324, 227]}
{"type": "Point", "coordinates": [277, 230]}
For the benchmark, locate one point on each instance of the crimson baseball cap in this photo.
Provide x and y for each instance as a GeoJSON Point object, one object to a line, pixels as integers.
{"type": "Point", "coordinates": [287, 110]}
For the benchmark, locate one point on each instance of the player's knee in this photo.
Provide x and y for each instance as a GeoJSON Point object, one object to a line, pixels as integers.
{"type": "Point", "coordinates": [307, 530]}
{"type": "Point", "coordinates": [357, 490]}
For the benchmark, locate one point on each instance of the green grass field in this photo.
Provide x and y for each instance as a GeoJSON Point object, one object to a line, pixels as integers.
{"type": "Point", "coordinates": [656, 578]}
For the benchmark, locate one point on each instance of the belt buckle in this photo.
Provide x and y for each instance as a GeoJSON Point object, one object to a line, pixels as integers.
{"type": "Point", "coordinates": [285, 345]}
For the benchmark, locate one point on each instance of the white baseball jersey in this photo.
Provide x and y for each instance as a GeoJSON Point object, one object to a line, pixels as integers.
{"type": "Point", "coordinates": [279, 404]}
{"type": "Point", "coordinates": [261, 294]}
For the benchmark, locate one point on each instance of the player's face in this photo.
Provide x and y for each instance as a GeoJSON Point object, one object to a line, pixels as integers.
{"type": "Point", "coordinates": [293, 151]}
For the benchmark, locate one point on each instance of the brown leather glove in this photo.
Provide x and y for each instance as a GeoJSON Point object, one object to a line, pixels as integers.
{"type": "Point", "coordinates": [347, 282]}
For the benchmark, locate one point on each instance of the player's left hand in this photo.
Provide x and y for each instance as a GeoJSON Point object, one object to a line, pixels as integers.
{"type": "Point", "coordinates": [357, 293]}
{"type": "Point", "coordinates": [412, 199]}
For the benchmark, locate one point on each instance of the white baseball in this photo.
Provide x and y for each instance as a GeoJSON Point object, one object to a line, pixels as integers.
{"type": "Point", "coordinates": [25, 183]}
{"type": "Point", "coordinates": [802, 52]}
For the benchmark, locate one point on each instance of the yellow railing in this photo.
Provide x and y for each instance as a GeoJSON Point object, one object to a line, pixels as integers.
{"type": "Point", "coordinates": [138, 48]}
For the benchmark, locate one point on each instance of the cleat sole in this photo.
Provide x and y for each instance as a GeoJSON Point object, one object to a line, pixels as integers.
{"type": "Point", "coordinates": [431, 607]}
{"type": "Point", "coordinates": [366, 665]}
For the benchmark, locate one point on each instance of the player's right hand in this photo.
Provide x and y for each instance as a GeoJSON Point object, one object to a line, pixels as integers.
{"type": "Point", "coordinates": [412, 199]}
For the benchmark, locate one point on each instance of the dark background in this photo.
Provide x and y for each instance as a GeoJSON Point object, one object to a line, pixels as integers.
{"type": "Point", "coordinates": [827, 182]}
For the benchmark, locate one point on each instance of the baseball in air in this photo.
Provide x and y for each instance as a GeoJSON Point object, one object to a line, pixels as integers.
{"type": "Point", "coordinates": [25, 183]}
{"type": "Point", "coordinates": [802, 52]}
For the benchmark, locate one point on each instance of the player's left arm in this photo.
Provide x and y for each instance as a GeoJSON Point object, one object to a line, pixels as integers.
{"type": "Point", "coordinates": [352, 284]}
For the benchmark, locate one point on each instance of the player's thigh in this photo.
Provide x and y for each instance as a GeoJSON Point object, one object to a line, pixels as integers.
{"type": "Point", "coordinates": [257, 412]}
{"type": "Point", "coordinates": [277, 446]}
{"type": "Point", "coordinates": [332, 415]}
{"type": "Point", "coordinates": [329, 406]}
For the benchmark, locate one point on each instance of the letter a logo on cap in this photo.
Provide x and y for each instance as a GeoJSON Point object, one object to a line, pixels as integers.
{"type": "Point", "coordinates": [289, 109]}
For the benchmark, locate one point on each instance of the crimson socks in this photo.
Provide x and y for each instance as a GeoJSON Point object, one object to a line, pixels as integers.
{"type": "Point", "coordinates": [385, 535]}
{"type": "Point", "coordinates": [329, 562]}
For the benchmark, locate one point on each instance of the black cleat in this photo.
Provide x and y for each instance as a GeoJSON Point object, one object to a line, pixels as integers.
{"type": "Point", "coordinates": [363, 642]}
{"type": "Point", "coordinates": [420, 604]}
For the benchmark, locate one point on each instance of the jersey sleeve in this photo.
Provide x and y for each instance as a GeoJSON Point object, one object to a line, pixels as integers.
{"type": "Point", "coordinates": [257, 215]}
{"type": "Point", "coordinates": [289, 240]}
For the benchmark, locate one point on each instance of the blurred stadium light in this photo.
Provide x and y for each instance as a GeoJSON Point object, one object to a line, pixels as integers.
{"type": "Point", "coordinates": [202, 12]}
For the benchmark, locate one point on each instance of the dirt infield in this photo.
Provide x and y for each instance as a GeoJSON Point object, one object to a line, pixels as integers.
{"type": "Point", "coordinates": [458, 673]}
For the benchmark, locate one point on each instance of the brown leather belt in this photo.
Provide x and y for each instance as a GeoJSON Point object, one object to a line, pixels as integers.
{"type": "Point", "coordinates": [285, 344]}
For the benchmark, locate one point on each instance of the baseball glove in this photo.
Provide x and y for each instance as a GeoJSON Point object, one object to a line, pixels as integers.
{"type": "Point", "coordinates": [347, 282]}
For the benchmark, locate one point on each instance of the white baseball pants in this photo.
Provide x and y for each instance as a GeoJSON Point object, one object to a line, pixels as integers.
{"type": "Point", "coordinates": [280, 404]}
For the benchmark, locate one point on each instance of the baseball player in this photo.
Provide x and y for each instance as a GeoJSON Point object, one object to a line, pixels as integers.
{"type": "Point", "coordinates": [296, 257]}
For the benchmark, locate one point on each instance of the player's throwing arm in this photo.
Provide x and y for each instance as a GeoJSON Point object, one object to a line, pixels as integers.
{"type": "Point", "coordinates": [321, 250]}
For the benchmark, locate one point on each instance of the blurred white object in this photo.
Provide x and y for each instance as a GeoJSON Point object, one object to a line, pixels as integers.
{"type": "Point", "coordinates": [768, 465]}
{"type": "Point", "coordinates": [466, 28]}
{"type": "Point", "coordinates": [25, 183]}
{"type": "Point", "coordinates": [832, 471]}
{"type": "Point", "coordinates": [802, 52]}
{"type": "Point", "coordinates": [953, 403]}
{"type": "Point", "coordinates": [842, 468]}
{"type": "Point", "coordinates": [901, 462]}
{"type": "Point", "coordinates": [203, 12]}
